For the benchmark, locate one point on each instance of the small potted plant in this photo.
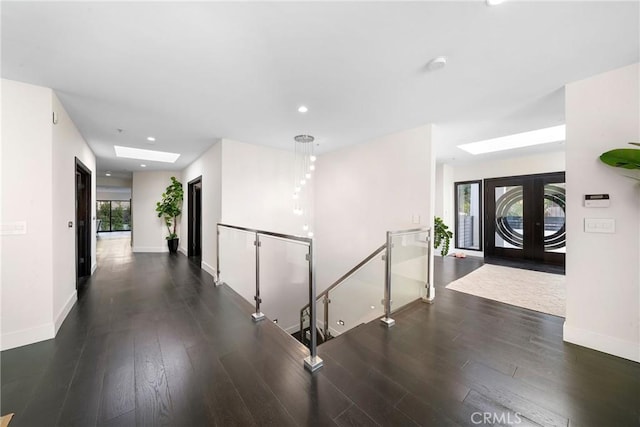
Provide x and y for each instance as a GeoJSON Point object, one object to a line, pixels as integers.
{"type": "Point", "coordinates": [441, 236]}
{"type": "Point", "coordinates": [170, 208]}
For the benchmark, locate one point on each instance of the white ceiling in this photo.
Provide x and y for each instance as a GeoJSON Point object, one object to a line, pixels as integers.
{"type": "Point", "coordinates": [190, 73]}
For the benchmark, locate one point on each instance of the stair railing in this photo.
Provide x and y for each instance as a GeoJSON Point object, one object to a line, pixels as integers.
{"type": "Point", "coordinates": [387, 250]}
{"type": "Point", "coordinates": [312, 362]}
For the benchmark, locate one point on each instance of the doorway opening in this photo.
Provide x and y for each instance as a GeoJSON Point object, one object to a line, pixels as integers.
{"type": "Point", "coordinates": [83, 222]}
{"type": "Point", "coordinates": [194, 206]}
{"type": "Point", "coordinates": [525, 219]}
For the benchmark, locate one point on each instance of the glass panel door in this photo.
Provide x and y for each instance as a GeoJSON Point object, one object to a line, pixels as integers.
{"type": "Point", "coordinates": [509, 220]}
{"type": "Point", "coordinates": [525, 218]}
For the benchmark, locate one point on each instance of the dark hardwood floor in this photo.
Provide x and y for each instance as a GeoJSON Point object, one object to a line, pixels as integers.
{"type": "Point", "coordinates": [152, 342]}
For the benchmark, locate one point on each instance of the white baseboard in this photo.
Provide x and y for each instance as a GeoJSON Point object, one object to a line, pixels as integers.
{"type": "Point", "coordinates": [65, 310]}
{"type": "Point", "coordinates": [183, 251]}
{"type": "Point", "coordinates": [605, 343]}
{"type": "Point", "coordinates": [94, 267]}
{"type": "Point", "coordinates": [27, 336]}
{"type": "Point", "coordinates": [150, 249]}
{"type": "Point", "coordinates": [208, 268]}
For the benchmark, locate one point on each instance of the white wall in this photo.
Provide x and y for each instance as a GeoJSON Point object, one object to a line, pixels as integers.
{"type": "Point", "coordinates": [38, 188]}
{"type": "Point", "coordinates": [365, 190]}
{"type": "Point", "coordinates": [603, 276]}
{"type": "Point", "coordinates": [68, 144]}
{"type": "Point", "coordinates": [257, 188]}
{"type": "Point", "coordinates": [149, 232]}
{"type": "Point", "coordinates": [209, 166]}
{"type": "Point", "coordinates": [27, 171]}
{"type": "Point", "coordinates": [447, 175]}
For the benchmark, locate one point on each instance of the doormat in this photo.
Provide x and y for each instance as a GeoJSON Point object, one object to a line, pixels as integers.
{"type": "Point", "coordinates": [543, 292]}
{"type": "Point", "coordinates": [5, 419]}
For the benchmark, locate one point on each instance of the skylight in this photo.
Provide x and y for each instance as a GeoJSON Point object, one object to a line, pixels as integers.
{"type": "Point", "coordinates": [518, 140]}
{"type": "Point", "coordinates": [140, 154]}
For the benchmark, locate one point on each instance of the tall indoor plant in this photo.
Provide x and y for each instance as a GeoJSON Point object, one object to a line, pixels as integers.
{"type": "Point", "coordinates": [170, 208]}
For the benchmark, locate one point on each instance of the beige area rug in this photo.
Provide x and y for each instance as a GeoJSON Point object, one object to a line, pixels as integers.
{"type": "Point", "coordinates": [544, 292]}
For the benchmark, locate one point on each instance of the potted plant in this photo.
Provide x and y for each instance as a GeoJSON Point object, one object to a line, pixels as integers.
{"type": "Point", "coordinates": [624, 158]}
{"type": "Point", "coordinates": [170, 208]}
{"type": "Point", "coordinates": [441, 236]}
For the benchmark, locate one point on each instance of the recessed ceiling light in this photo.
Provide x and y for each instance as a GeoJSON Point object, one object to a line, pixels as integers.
{"type": "Point", "coordinates": [150, 138]}
{"type": "Point", "coordinates": [494, 2]}
{"type": "Point", "coordinates": [143, 166]}
{"type": "Point", "coordinates": [437, 63]}
{"type": "Point", "coordinates": [140, 154]}
{"type": "Point", "coordinates": [107, 174]}
{"type": "Point", "coordinates": [518, 140]}
{"type": "Point", "coordinates": [302, 109]}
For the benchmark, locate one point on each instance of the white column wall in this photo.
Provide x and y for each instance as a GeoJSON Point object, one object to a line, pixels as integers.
{"type": "Point", "coordinates": [38, 188]}
{"type": "Point", "coordinates": [27, 171]}
{"type": "Point", "coordinates": [603, 273]}
{"type": "Point", "coordinates": [68, 144]}
{"type": "Point", "coordinates": [209, 166]}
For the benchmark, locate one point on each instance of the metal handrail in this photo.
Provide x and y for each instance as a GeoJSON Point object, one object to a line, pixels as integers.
{"type": "Point", "coordinates": [387, 299]}
{"type": "Point", "coordinates": [269, 233]}
{"type": "Point", "coordinates": [312, 362]}
{"type": "Point", "coordinates": [347, 274]}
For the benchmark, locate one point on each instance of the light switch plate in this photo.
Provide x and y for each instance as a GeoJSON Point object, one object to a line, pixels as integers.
{"type": "Point", "coordinates": [599, 225]}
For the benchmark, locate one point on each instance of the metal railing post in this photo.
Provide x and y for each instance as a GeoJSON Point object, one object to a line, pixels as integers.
{"type": "Point", "coordinates": [217, 281]}
{"type": "Point", "coordinates": [257, 316]}
{"type": "Point", "coordinates": [431, 289]}
{"type": "Point", "coordinates": [326, 302]}
{"type": "Point", "coordinates": [386, 320]}
{"type": "Point", "coordinates": [312, 362]}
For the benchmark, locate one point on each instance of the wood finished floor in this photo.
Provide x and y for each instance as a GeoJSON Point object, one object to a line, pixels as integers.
{"type": "Point", "coordinates": [152, 342]}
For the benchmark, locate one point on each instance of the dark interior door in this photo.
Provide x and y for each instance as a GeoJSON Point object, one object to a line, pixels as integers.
{"type": "Point", "coordinates": [83, 221]}
{"type": "Point", "coordinates": [195, 217]}
{"type": "Point", "coordinates": [525, 218]}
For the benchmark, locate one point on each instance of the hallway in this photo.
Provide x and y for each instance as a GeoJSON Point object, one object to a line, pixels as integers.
{"type": "Point", "coordinates": [151, 341]}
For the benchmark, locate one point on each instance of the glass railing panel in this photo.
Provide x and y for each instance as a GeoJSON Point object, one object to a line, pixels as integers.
{"type": "Point", "coordinates": [408, 268]}
{"type": "Point", "coordinates": [284, 280]}
{"type": "Point", "coordinates": [238, 261]}
{"type": "Point", "coordinates": [357, 299]}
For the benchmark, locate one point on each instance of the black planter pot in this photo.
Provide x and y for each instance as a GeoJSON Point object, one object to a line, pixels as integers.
{"type": "Point", "coordinates": [173, 245]}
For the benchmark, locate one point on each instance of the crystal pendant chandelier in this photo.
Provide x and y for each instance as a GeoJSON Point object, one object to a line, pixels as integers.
{"type": "Point", "coordinates": [304, 166]}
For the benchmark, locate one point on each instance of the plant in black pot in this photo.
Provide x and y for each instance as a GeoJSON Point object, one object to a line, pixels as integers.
{"type": "Point", "coordinates": [169, 209]}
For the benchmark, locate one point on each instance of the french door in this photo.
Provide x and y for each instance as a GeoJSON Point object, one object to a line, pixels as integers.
{"type": "Point", "coordinates": [525, 218]}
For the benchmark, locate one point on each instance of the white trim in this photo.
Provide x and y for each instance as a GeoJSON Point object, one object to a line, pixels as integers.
{"type": "Point", "coordinates": [150, 249]}
{"type": "Point", "coordinates": [27, 336]}
{"type": "Point", "coordinates": [94, 267]}
{"type": "Point", "coordinates": [183, 251]}
{"type": "Point", "coordinates": [64, 311]}
{"type": "Point", "coordinates": [208, 268]}
{"type": "Point", "coordinates": [605, 343]}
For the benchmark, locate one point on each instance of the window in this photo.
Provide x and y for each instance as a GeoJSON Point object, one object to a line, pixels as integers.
{"type": "Point", "coordinates": [468, 206]}
{"type": "Point", "coordinates": [114, 215]}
